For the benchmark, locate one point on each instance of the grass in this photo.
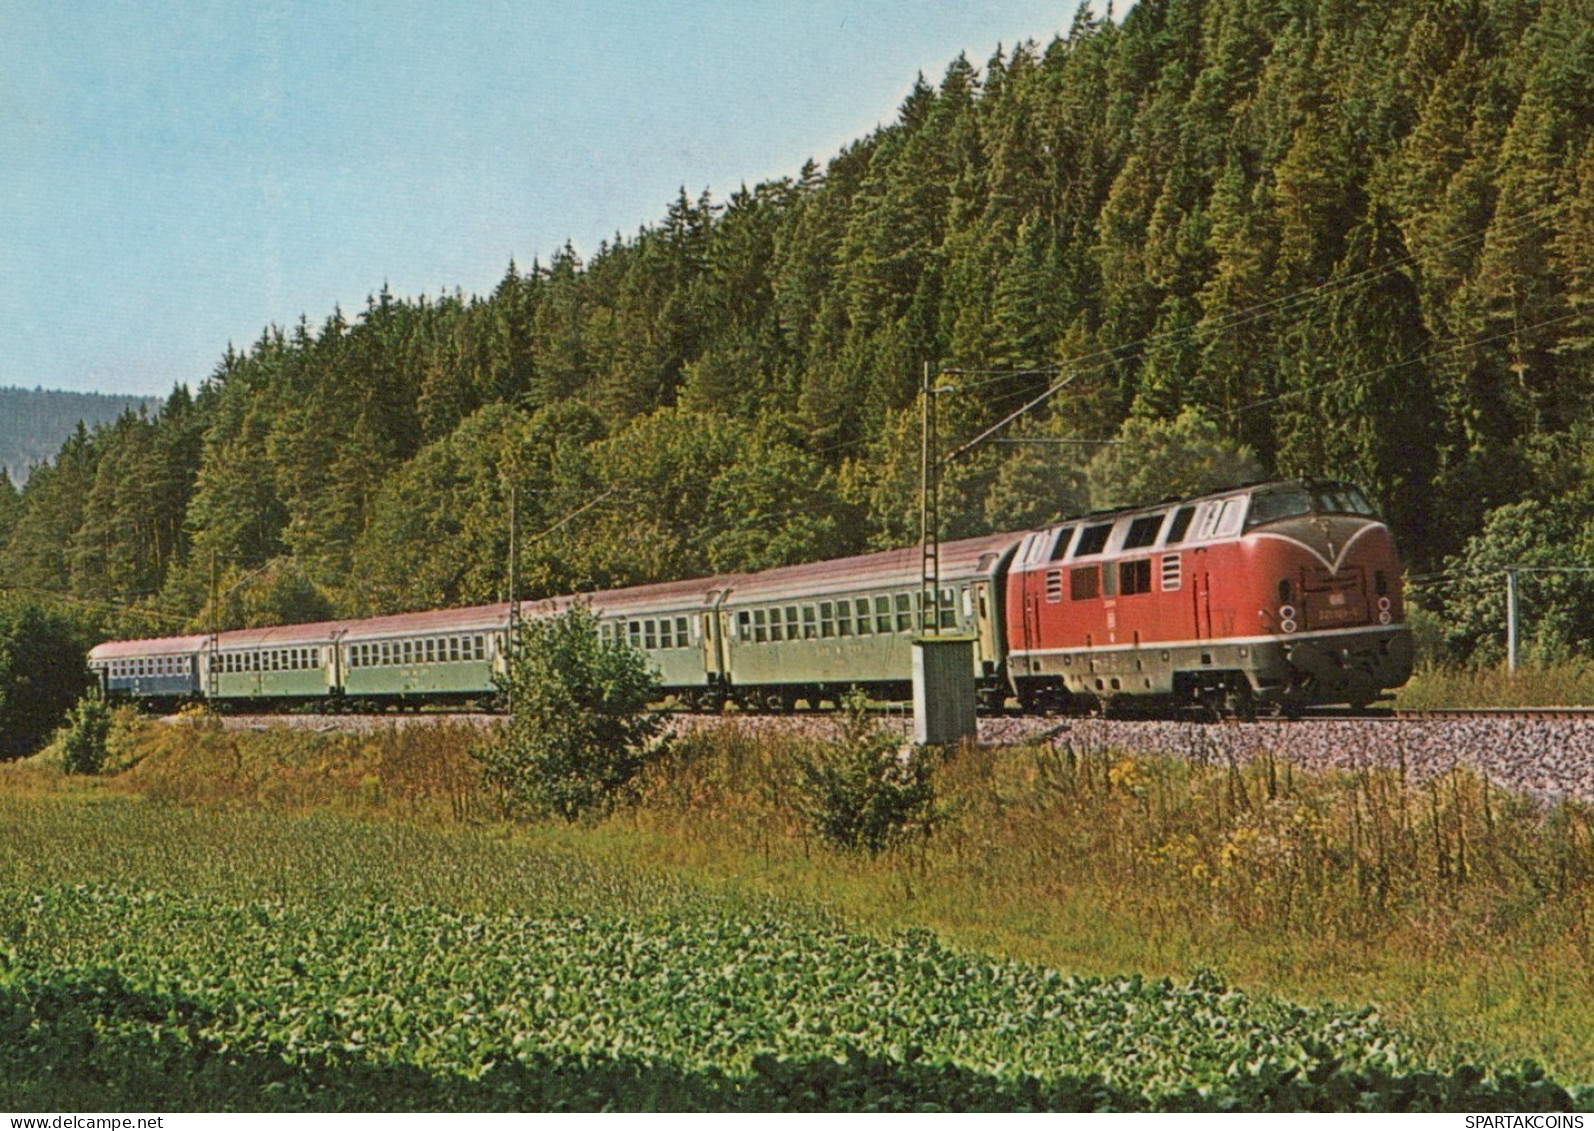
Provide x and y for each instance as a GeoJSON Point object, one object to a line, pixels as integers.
{"type": "Point", "coordinates": [1560, 685]}
{"type": "Point", "coordinates": [1463, 913]}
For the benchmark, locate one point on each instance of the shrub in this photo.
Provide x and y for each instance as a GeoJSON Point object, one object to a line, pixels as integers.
{"type": "Point", "coordinates": [88, 729]}
{"type": "Point", "coordinates": [579, 729]}
{"type": "Point", "coordinates": [864, 790]}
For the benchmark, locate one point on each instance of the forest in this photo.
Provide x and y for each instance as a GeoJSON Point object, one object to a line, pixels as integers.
{"type": "Point", "coordinates": [1244, 238]}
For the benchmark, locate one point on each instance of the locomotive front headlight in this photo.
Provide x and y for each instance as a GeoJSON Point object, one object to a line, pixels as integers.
{"type": "Point", "coordinates": [1287, 622]}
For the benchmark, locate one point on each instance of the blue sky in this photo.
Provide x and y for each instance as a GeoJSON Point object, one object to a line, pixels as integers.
{"type": "Point", "coordinates": [174, 176]}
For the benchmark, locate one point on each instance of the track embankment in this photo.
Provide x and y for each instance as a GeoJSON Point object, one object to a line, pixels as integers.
{"type": "Point", "coordinates": [1549, 755]}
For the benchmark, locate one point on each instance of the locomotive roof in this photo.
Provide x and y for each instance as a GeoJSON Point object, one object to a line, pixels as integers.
{"type": "Point", "coordinates": [1188, 500]}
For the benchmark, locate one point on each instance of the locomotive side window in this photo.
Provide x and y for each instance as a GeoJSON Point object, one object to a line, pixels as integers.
{"type": "Point", "coordinates": [1092, 540]}
{"type": "Point", "coordinates": [1180, 525]}
{"type": "Point", "coordinates": [1143, 531]}
{"type": "Point", "coordinates": [1083, 583]}
{"type": "Point", "coordinates": [1134, 577]}
{"type": "Point", "coordinates": [1060, 546]}
{"type": "Point", "coordinates": [1232, 515]}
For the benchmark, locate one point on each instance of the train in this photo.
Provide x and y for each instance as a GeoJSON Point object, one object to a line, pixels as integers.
{"type": "Point", "coordinates": [1269, 597]}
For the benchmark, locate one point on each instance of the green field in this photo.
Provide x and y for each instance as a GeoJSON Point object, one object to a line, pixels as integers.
{"type": "Point", "coordinates": [159, 956]}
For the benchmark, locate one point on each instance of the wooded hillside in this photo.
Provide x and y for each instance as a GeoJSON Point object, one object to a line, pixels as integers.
{"type": "Point", "coordinates": [1324, 237]}
{"type": "Point", "coordinates": [35, 422]}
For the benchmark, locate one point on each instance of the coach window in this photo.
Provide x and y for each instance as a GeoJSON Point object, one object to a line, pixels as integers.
{"type": "Point", "coordinates": [744, 626]}
{"type": "Point", "coordinates": [481, 646]}
{"type": "Point", "coordinates": [860, 612]}
{"type": "Point", "coordinates": [882, 614]}
{"type": "Point", "coordinates": [453, 649]}
{"type": "Point", "coordinates": [1134, 577]}
{"type": "Point", "coordinates": [792, 631]}
{"type": "Point", "coordinates": [810, 622]}
{"type": "Point", "coordinates": [760, 626]}
{"type": "Point", "coordinates": [949, 609]}
{"type": "Point", "coordinates": [827, 619]}
{"type": "Point", "coordinates": [650, 635]}
{"type": "Point", "coordinates": [843, 618]}
{"type": "Point", "coordinates": [680, 632]}
{"type": "Point", "coordinates": [1092, 540]}
{"type": "Point", "coordinates": [1143, 531]}
{"type": "Point", "coordinates": [1083, 583]}
{"type": "Point", "coordinates": [904, 613]}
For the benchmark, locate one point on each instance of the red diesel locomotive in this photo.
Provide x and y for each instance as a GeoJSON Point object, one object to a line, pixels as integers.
{"type": "Point", "coordinates": [1277, 596]}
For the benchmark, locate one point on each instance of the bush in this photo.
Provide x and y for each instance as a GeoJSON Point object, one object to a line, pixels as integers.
{"type": "Point", "coordinates": [88, 730]}
{"type": "Point", "coordinates": [865, 791]}
{"type": "Point", "coordinates": [579, 730]}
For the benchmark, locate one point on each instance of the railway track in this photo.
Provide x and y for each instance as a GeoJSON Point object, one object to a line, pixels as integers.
{"type": "Point", "coordinates": [363, 721]}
